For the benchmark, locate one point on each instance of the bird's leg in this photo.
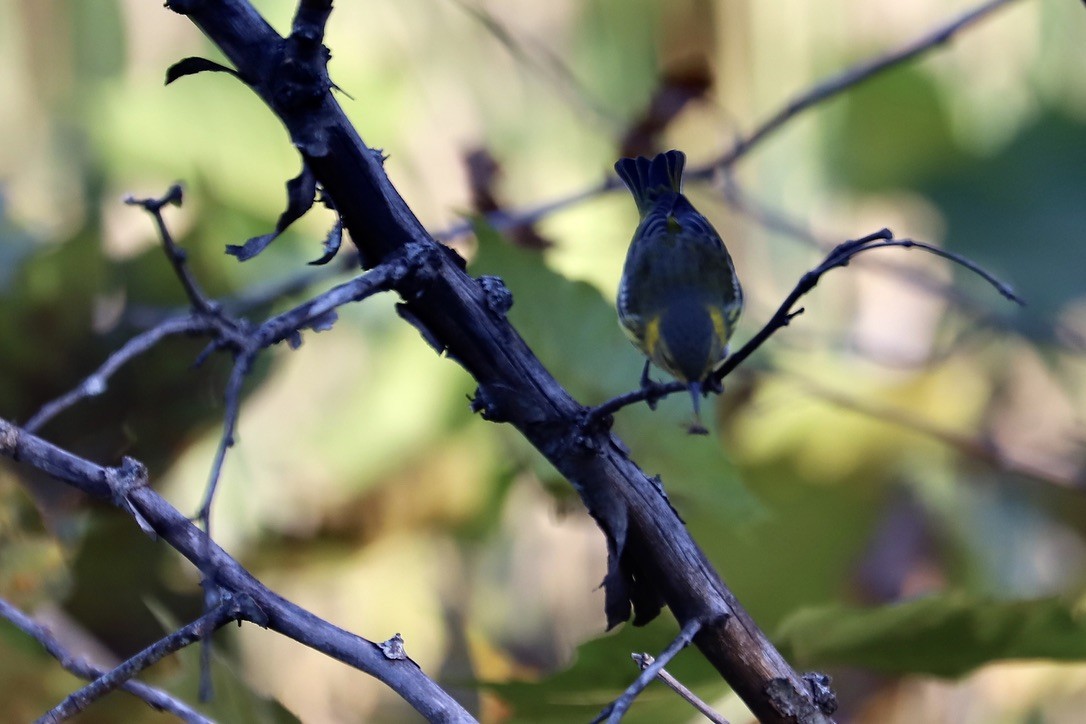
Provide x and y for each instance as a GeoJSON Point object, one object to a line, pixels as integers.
{"type": "Point", "coordinates": [649, 386]}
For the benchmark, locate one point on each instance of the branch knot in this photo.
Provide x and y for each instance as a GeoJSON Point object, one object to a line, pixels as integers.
{"type": "Point", "coordinates": [122, 482]}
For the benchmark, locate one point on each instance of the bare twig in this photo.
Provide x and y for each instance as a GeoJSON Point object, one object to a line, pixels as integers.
{"type": "Point", "coordinates": [652, 559]}
{"type": "Point", "coordinates": [818, 93]}
{"type": "Point", "coordinates": [176, 255]}
{"type": "Point", "coordinates": [282, 616]}
{"type": "Point", "coordinates": [155, 698]}
{"type": "Point", "coordinates": [544, 61]}
{"type": "Point", "coordinates": [840, 256]}
{"type": "Point", "coordinates": [643, 661]}
{"type": "Point", "coordinates": [232, 610]}
{"type": "Point", "coordinates": [978, 448]}
{"type": "Point", "coordinates": [258, 298]}
{"type": "Point", "coordinates": [226, 440]}
{"type": "Point", "coordinates": [847, 79]}
{"type": "Point", "coordinates": [775, 220]}
{"type": "Point", "coordinates": [97, 382]}
{"type": "Point", "coordinates": [317, 313]}
{"type": "Point", "coordinates": [614, 711]}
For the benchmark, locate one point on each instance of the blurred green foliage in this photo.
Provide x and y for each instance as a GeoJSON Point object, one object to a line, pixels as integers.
{"type": "Point", "coordinates": [882, 492]}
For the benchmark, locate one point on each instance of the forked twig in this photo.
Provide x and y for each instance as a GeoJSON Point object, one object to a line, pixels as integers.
{"type": "Point", "coordinates": [155, 698]}
{"type": "Point", "coordinates": [614, 711]}
{"type": "Point", "coordinates": [839, 256]}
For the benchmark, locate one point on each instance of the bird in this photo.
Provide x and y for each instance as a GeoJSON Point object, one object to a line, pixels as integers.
{"type": "Point", "coordinates": [679, 298]}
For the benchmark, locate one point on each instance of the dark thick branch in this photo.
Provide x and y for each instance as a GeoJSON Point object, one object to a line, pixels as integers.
{"type": "Point", "coordinates": [127, 487]}
{"type": "Point", "coordinates": [653, 560]}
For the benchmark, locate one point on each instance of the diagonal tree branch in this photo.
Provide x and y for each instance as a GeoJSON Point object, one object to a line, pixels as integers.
{"type": "Point", "coordinates": [230, 610]}
{"type": "Point", "coordinates": [840, 256]}
{"type": "Point", "coordinates": [97, 382]}
{"type": "Point", "coordinates": [847, 79]}
{"type": "Point", "coordinates": [155, 698]}
{"type": "Point", "coordinates": [614, 711]}
{"type": "Point", "coordinates": [127, 487]}
{"type": "Point", "coordinates": [644, 661]}
{"type": "Point", "coordinates": [816, 94]}
{"type": "Point", "coordinates": [652, 559]}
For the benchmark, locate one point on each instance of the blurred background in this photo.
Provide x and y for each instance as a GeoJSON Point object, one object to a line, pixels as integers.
{"type": "Point", "coordinates": [894, 486]}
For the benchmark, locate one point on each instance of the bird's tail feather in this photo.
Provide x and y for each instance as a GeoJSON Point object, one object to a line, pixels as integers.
{"type": "Point", "coordinates": [646, 178]}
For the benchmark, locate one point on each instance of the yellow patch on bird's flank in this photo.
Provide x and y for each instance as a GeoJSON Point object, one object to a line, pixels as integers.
{"type": "Point", "coordinates": [722, 330]}
{"type": "Point", "coordinates": [652, 335]}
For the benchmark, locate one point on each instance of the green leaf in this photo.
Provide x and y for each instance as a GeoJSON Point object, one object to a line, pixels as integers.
{"type": "Point", "coordinates": [944, 635]}
{"type": "Point", "coordinates": [892, 133]}
{"type": "Point", "coordinates": [1021, 214]}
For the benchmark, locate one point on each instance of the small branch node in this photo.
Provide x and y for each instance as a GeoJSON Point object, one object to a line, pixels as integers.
{"type": "Point", "coordinates": [824, 697]}
{"type": "Point", "coordinates": [9, 439]}
{"type": "Point", "coordinates": [122, 481]}
{"type": "Point", "coordinates": [393, 648]}
{"type": "Point", "coordinates": [499, 299]}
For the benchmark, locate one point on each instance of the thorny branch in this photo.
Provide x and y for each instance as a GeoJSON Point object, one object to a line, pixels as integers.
{"type": "Point", "coordinates": [652, 561]}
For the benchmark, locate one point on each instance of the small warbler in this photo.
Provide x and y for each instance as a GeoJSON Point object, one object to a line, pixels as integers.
{"type": "Point", "coordinates": [679, 298]}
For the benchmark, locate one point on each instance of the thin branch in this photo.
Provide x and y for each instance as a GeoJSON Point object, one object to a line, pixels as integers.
{"type": "Point", "coordinates": [614, 711]}
{"type": "Point", "coordinates": [1059, 333]}
{"type": "Point", "coordinates": [229, 427]}
{"type": "Point", "coordinates": [840, 256]}
{"type": "Point", "coordinates": [643, 661]}
{"type": "Point", "coordinates": [652, 559]}
{"type": "Point", "coordinates": [818, 93]}
{"type": "Point", "coordinates": [232, 610]}
{"type": "Point", "coordinates": [548, 64]}
{"type": "Point", "coordinates": [777, 221]}
{"type": "Point", "coordinates": [177, 256]}
{"type": "Point", "coordinates": [97, 382]}
{"type": "Point", "coordinates": [127, 487]}
{"type": "Point", "coordinates": [850, 78]}
{"type": "Point", "coordinates": [317, 313]}
{"type": "Point", "coordinates": [263, 296]}
{"type": "Point", "coordinates": [154, 697]}
{"type": "Point", "coordinates": [978, 448]}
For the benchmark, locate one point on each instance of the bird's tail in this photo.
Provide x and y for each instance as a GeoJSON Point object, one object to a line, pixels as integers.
{"type": "Point", "coordinates": [647, 178]}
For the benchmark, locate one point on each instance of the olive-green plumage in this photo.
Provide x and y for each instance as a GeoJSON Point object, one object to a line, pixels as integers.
{"type": "Point", "coordinates": [679, 298]}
